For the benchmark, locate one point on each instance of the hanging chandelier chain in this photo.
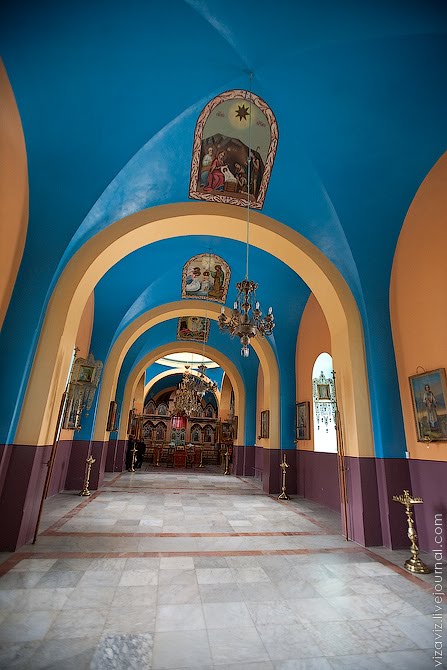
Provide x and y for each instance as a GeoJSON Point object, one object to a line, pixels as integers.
{"type": "Point", "coordinates": [186, 401]}
{"type": "Point", "coordinates": [246, 320]}
{"type": "Point", "coordinates": [249, 159]}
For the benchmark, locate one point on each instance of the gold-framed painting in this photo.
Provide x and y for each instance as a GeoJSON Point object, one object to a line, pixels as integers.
{"type": "Point", "coordinates": [206, 277]}
{"type": "Point", "coordinates": [131, 423]}
{"type": "Point", "coordinates": [111, 419]}
{"type": "Point", "coordinates": [226, 432]}
{"type": "Point", "coordinates": [265, 423]}
{"type": "Point", "coordinates": [235, 143]}
{"type": "Point", "coordinates": [429, 397]}
{"type": "Point", "coordinates": [302, 420]}
{"type": "Point", "coordinates": [193, 328]}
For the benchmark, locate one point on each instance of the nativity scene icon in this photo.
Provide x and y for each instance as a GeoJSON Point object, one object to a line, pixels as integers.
{"type": "Point", "coordinates": [234, 147]}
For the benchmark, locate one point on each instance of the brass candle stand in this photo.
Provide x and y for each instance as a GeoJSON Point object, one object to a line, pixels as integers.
{"type": "Point", "coordinates": [201, 458]}
{"type": "Point", "coordinates": [283, 465]}
{"type": "Point", "coordinates": [413, 564]}
{"type": "Point", "coordinates": [85, 492]}
{"type": "Point", "coordinates": [157, 451]}
{"type": "Point", "coordinates": [134, 456]}
{"type": "Point", "coordinates": [227, 461]}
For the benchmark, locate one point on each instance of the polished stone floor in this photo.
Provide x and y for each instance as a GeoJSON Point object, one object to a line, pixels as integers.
{"type": "Point", "coordinates": [190, 569]}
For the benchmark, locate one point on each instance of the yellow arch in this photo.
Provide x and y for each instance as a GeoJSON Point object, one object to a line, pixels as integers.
{"type": "Point", "coordinates": [225, 398]}
{"type": "Point", "coordinates": [164, 313]}
{"type": "Point", "coordinates": [168, 373]}
{"type": "Point", "coordinates": [89, 264]}
{"type": "Point", "coordinates": [174, 347]}
{"type": "Point", "coordinates": [174, 310]}
{"type": "Point", "coordinates": [14, 191]}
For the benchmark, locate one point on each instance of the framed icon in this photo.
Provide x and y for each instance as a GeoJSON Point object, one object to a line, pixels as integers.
{"type": "Point", "coordinates": [429, 393]}
{"type": "Point", "coordinates": [265, 423]}
{"type": "Point", "coordinates": [302, 421]}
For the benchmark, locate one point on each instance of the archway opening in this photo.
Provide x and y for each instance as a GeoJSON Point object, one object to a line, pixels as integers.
{"type": "Point", "coordinates": [103, 250]}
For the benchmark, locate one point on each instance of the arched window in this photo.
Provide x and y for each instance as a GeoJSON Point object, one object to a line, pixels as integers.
{"type": "Point", "coordinates": [323, 393]}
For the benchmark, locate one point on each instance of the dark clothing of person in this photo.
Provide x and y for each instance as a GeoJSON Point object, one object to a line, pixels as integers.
{"type": "Point", "coordinates": [129, 454]}
{"type": "Point", "coordinates": [141, 448]}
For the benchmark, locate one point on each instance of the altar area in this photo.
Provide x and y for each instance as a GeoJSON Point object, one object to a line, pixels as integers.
{"type": "Point", "coordinates": [160, 454]}
{"type": "Point", "coordinates": [182, 441]}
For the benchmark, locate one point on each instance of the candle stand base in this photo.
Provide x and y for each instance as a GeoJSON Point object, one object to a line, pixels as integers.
{"type": "Point", "coordinates": [415, 565]}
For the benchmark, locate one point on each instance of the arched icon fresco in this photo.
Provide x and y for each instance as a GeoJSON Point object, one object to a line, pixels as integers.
{"type": "Point", "coordinates": [235, 142]}
{"type": "Point", "coordinates": [193, 328]}
{"type": "Point", "coordinates": [207, 277]}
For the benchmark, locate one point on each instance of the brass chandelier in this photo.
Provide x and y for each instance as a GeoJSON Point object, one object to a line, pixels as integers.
{"type": "Point", "coordinates": [186, 401]}
{"type": "Point", "coordinates": [242, 324]}
{"type": "Point", "coordinates": [192, 388]}
{"type": "Point", "coordinates": [202, 383]}
{"type": "Point", "coordinates": [246, 320]}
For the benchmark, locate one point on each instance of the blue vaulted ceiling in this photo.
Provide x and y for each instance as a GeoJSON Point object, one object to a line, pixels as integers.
{"type": "Point", "coordinates": [109, 94]}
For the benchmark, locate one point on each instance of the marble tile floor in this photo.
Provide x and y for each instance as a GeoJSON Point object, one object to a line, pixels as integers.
{"type": "Point", "coordinates": [158, 572]}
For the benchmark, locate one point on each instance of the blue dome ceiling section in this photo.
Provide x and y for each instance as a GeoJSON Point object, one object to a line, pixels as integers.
{"type": "Point", "coordinates": [109, 98]}
{"type": "Point", "coordinates": [170, 382]}
{"type": "Point", "coordinates": [152, 276]}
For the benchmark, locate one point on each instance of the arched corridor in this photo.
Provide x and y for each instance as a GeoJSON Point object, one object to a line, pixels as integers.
{"type": "Point", "coordinates": [260, 187]}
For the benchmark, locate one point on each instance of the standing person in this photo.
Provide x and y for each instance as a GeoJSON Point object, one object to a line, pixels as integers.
{"type": "Point", "coordinates": [241, 177]}
{"type": "Point", "coordinates": [206, 164]}
{"type": "Point", "coordinates": [141, 449]}
{"type": "Point", "coordinates": [129, 454]}
{"type": "Point", "coordinates": [255, 177]}
{"type": "Point", "coordinates": [218, 276]}
{"type": "Point", "coordinates": [429, 401]}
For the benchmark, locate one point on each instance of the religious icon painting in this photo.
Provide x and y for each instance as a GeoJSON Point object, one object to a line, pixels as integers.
{"type": "Point", "coordinates": [235, 143]}
{"type": "Point", "coordinates": [429, 396]}
{"type": "Point", "coordinates": [302, 421]}
{"type": "Point", "coordinates": [206, 277]}
{"type": "Point", "coordinates": [265, 423]}
{"type": "Point", "coordinates": [193, 328]}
